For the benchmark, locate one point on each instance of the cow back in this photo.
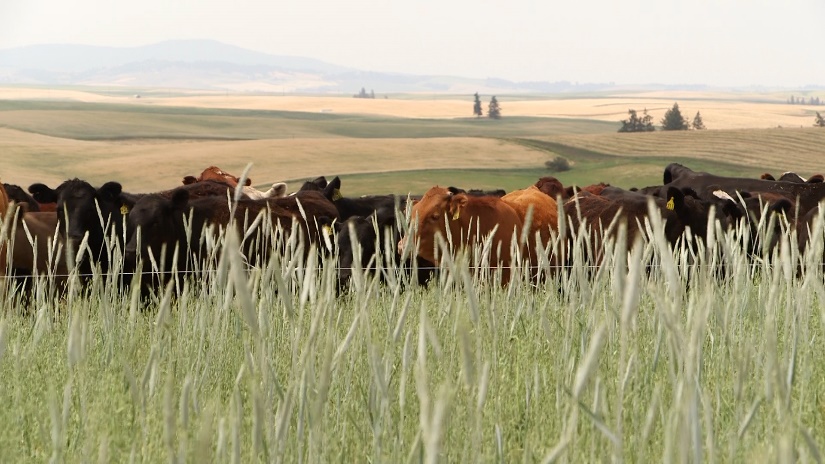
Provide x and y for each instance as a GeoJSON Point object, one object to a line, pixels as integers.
{"type": "Point", "coordinates": [545, 214]}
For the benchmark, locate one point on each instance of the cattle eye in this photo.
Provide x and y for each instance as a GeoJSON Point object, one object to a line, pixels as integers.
{"type": "Point", "coordinates": [434, 216]}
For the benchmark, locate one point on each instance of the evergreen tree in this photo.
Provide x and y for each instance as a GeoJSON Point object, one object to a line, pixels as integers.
{"type": "Point", "coordinates": [697, 123]}
{"type": "Point", "coordinates": [674, 120]}
{"type": "Point", "coordinates": [477, 106]}
{"type": "Point", "coordinates": [494, 110]}
{"type": "Point", "coordinates": [820, 121]}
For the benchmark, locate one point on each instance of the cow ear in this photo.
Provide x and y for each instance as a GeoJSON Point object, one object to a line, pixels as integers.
{"type": "Point", "coordinates": [248, 182]}
{"type": "Point", "coordinates": [457, 203]}
{"type": "Point", "coordinates": [110, 190]}
{"type": "Point", "coordinates": [42, 193]}
{"type": "Point", "coordinates": [278, 189]}
{"type": "Point", "coordinates": [189, 180]}
{"type": "Point", "coordinates": [675, 199]}
{"type": "Point", "coordinates": [333, 189]}
{"type": "Point", "coordinates": [783, 206]}
{"type": "Point", "coordinates": [180, 198]}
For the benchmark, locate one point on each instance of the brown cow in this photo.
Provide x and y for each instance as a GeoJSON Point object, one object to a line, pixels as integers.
{"type": "Point", "coordinates": [551, 187]}
{"type": "Point", "coordinates": [217, 174]}
{"type": "Point", "coordinates": [545, 211]}
{"type": "Point", "coordinates": [32, 259]}
{"type": "Point", "coordinates": [471, 219]}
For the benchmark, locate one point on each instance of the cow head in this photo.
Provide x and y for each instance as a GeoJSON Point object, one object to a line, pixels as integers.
{"type": "Point", "coordinates": [551, 186]}
{"type": "Point", "coordinates": [159, 221]}
{"type": "Point", "coordinates": [429, 214]}
{"type": "Point", "coordinates": [691, 211]}
{"type": "Point", "coordinates": [77, 208]}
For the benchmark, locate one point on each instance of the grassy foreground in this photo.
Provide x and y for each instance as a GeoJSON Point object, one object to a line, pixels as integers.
{"type": "Point", "coordinates": [624, 362]}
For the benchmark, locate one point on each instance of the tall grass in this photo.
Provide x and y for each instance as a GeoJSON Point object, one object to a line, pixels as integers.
{"type": "Point", "coordinates": [658, 354]}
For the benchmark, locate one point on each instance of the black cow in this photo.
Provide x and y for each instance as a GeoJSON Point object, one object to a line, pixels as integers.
{"type": "Point", "coordinates": [679, 208]}
{"type": "Point", "coordinates": [374, 233]}
{"type": "Point", "coordinates": [77, 209]}
{"type": "Point", "coordinates": [160, 220]}
{"type": "Point", "coordinates": [807, 195]}
{"type": "Point", "coordinates": [348, 207]}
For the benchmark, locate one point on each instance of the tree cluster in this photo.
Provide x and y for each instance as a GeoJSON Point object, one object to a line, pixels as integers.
{"type": "Point", "coordinates": [801, 101]}
{"type": "Point", "coordinates": [493, 108]}
{"type": "Point", "coordinates": [673, 120]}
{"type": "Point", "coordinates": [363, 94]}
{"type": "Point", "coordinates": [634, 123]}
{"type": "Point", "coordinates": [820, 121]}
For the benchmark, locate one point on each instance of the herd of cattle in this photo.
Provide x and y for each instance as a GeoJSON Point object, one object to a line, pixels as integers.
{"type": "Point", "coordinates": [157, 227]}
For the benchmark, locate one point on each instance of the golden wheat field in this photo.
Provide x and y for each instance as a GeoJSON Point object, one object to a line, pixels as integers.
{"type": "Point", "coordinates": [719, 110]}
{"type": "Point", "coordinates": [148, 152]}
{"type": "Point", "coordinates": [153, 165]}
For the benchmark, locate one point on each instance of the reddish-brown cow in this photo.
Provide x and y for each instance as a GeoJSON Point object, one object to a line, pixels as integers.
{"type": "Point", "coordinates": [217, 174]}
{"type": "Point", "coordinates": [551, 187]}
{"type": "Point", "coordinates": [29, 259]}
{"type": "Point", "coordinates": [470, 220]}
{"type": "Point", "coordinates": [545, 211]}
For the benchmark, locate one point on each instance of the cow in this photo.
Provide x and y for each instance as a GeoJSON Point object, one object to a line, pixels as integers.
{"type": "Point", "coordinates": [373, 233]}
{"type": "Point", "coordinates": [464, 220]}
{"type": "Point", "coordinates": [680, 209]}
{"type": "Point", "coordinates": [216, 174]}
{"type": "Point", "coordinates": [77, 209]}
{"type": "Point", "coordinates": [160, 222]}
{"type": "Point", "coordinates": [44, 255]}
{"type": "Point", "coordinates": [806, 195]}
{"type": "Point", "coordinates": [318, 184]}
{"type": "Point", "coordinates": [545, 214]}
{"type": "Point", "coordinates": [77, 204]}
{"type": "Point", "coordinates": [349, 207]}
{"type": "Point", "coordinates": [551, 187]}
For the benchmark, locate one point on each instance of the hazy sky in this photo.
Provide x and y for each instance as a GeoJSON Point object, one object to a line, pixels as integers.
{"type": "Point", "coordinates": [716, 42]}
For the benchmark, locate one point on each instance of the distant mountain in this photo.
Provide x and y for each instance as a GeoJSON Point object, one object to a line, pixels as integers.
{"type": "Point", "coordinates": [212, 65]}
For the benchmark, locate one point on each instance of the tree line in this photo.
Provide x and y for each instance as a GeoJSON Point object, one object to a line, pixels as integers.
{"type": "Point", "coordinates": [673, 120]}
{"type": "Point", "coordinates": [801, 101]}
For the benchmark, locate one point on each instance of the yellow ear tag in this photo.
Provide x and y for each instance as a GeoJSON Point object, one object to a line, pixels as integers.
{"type": "Point", "coordinates": [456, 214]}
{"type": "Point", "coordinates": [670, 204]}
{"type": "Point", "coordinates": [336, 195]}
{"type": "Point", "coordinates": [124, 210]}
{"type": "Point", "coordinates": [327, 230]}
